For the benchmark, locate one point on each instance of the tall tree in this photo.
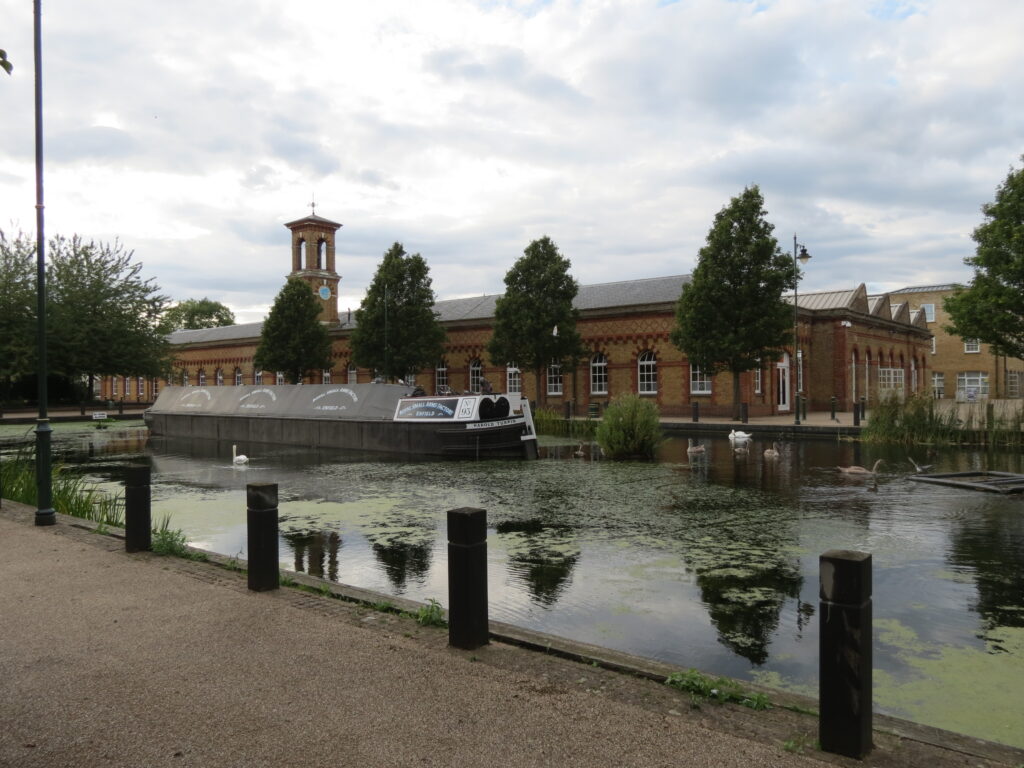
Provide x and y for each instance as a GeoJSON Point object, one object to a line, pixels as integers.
{"type": "Point", "coordinates": [5, 63]}
{"type": "Point", "coordinates": [17, 309]}
{"type": "Point", "coordinates": [397, 330]}
{"type": "Point", "coordinates": [731, 316]}
{"type": "Point", "coordinates": [535, 321]}
{"type": "Point", "coordinates": [102, 316]}
{"type": "Point", "coordinates": [193, 314]}
{"type": "Point", "coordinates": [293, 340]}
{"type": "Point", "coordinates": [991, 308]}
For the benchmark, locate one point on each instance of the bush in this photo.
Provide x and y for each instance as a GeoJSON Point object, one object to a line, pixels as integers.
{"type": "Point", "coordinates": [630, 429]}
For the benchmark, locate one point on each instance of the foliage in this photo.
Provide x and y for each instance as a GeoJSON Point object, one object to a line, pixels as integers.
{"type": "Point", "coordinates": [5, 63]}
{"type": "Point", "coordinates": [731, 316]}
{"type": "Point", "coordinates": [717, 689]}
{"type": "Point", "coordinates": [17, 308]}
{"type": "Point", "coordinates": [293, 340]}
{"type": "Point", "coordinates": [397, 330]}
{"type": "Point", "coordinates": [535, 321]}
{"type": "Point", "coordinates": [630, 428]}
{"type": "Point", "coordinates": [549, 422]}
{"type": "Point", "coordinates": [431, 615]}
{"type": "Point", "coordinates": [991, 308]}
{"type": "Point", "coordinates": [920, 420]}
{"type": "Point", "coordinates": [196, 313]}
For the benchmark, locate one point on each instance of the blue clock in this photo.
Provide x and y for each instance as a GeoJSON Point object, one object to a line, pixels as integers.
{"type": "Point", "coordinates": [324, 292]}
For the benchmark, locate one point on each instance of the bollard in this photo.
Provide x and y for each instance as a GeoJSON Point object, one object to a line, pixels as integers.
{"type": "Point", "coordinates": [120, 406]}
{"type": "Point", "coordinates": [568, 410]}
{"type": "Point", "coordinates": [863, 409]}
{"type": "Point", "coordinates": [832, 405]}
{"type": "Point", "coordinates": [138, 521]}
{"type": "Point", "coordinates": [844, 672]}
{"type": "Point", "coordinates": [796, 420]}
{"type": "Point", "coordinates": [696, 411]}
{"type": "Point", "coordinates": [261, 520]}
{"type": "Point", "coordinates": [856, 414]}
{"type": "Point", "coordinates": [803, 401]}
{"type": "Point", "coordinates": [467, 578]}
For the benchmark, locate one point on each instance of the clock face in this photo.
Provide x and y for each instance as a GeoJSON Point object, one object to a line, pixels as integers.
{"type": "Point", "coordinates": [324, 292]}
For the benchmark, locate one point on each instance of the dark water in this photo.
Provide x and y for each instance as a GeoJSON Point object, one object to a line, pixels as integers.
{"type": "Point", "coordinates": [711, 564]}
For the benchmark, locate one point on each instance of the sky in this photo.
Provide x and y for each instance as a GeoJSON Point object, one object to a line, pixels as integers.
{"type": "Point", "coordinates": [192, 130]}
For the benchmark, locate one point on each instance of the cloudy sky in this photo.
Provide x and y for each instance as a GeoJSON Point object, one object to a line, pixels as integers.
{"type": "Point", "coordinates": [192, 130]}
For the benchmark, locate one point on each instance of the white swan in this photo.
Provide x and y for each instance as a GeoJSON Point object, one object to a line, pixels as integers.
{"type": "Point", "coordinates": [773, 452]}
{"type": "Point", "coordinates": [855, 470]}
{"type": "Point", "coordinates": [919, 468]}
{"type": "Point", "coordinates": [734, 435]}
{"type": "Point", "coordinates": [238, 458]}
{"type": "Point", "coordinates": [694, 447]}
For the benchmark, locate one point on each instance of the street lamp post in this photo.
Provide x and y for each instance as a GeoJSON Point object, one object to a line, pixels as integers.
{"type": "Point", "coordinates": [801, 257]}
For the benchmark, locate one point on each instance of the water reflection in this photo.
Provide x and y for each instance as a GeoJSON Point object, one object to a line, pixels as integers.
{"type": "Point", "coordinates": [540, 555]}
{"type": "Point", "coordinates": [310, 549]}
{"type": "Point", "coordinates": [991, 546]}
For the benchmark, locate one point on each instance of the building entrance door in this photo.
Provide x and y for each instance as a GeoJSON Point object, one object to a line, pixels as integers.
{"type": "Point", "coordinates": [782, 384]}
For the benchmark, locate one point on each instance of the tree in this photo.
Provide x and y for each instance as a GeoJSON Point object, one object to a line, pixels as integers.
{"type": "Point", "coordinates": [731, 316]}
{"type": "Point", "coordinates": [535, 321]}
{"type": "Point", "coordinates": [196, 313]}
{"type": "Point", "coordinates": [293, 339]}
{"type": "Point", "coordinates": [5, 64]}
{"type": "Point", "coordinates": [17, 310]}
{"type": "Point", "coordinates": [102, 317]}
{"type": "Point", "coordinates": [397, 330]}
{"type": "Point", "coordinates": [991, 308]}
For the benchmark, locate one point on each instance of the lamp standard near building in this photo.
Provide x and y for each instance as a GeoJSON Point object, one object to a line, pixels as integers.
{"type": "Point", "coordinates": [801, 257]}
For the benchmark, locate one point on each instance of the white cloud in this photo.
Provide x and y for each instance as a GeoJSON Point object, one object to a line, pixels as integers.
{"type": "Point", "coordinates": [194, 130]}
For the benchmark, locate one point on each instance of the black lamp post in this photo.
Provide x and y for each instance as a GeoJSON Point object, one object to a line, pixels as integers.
{"type": "Point", "coordinates": [44, 481]}
{"type": "Point", "coordinates": [801, 257]}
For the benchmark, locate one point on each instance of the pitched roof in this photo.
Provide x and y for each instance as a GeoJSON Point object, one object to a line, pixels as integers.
{"type": "Point", "coordinates": [928, 288]}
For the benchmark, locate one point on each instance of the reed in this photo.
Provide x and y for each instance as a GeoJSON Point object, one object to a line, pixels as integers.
{"type": "Point", "coordinates": [549, 422]}
{"type": "Point", "coordinates": [919, 420]}
{"type": "Point", "coordinates": [631, 428]}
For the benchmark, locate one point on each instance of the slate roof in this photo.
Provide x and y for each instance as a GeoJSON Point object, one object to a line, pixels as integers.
{"type": "Point", "coordinates": [927, 288]}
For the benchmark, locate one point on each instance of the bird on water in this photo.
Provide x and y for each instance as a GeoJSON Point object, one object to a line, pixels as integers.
{"type": "Point", "coordinates": [238, 458]}
{"type": "Point", "coordinates": [855, 470]}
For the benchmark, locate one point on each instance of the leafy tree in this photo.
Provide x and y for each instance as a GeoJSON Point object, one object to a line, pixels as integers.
{"type": "Point", "coordinates": [397, 330]}
{"type": "Point", "coordinates": [102, 317]}
{"type": "Point", "coordinates": [17, 309]}
{"type": "Point", "coordinates": [731, 316]}
{"type": "Point", "coordinates": [4, 63]}
{"type": "Point", "coordinates": [535, 321]}
{"type": "Point", "coordinates": [196, 313]}
{"type": "Point", "coordinates": [293, 339]}
{"type": "Point", "coordinates": [991, 308]}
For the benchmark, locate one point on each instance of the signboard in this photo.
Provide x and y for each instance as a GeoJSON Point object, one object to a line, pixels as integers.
{"type": "Point", "coordinates": [429, 408]}
{"type": "Point", "coordinates": [97, 415]}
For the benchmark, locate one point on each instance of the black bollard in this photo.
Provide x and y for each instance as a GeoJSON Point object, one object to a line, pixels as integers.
{"type": "Point", "coordinates": [844, 673]}
{"type": "Point", "coordinates": [744, 412]}
{"type": "Point", "coordinates": [138, 521]}
{"type": "Point", "coordinates": [796, 420]}
{"type": "Point", "coordinates": [856, 414]}
{"type": "Point", "coordinates": [696, 411]}
{"type": "Point", "coordinates": [863, 409]}
{"type": "Point", "coordinates": [261, 519]}
{"type": "Point", "coordinates": [467, 578]}
{"type": "Point", "coordinates": [568, 410]}
{"type": "Point", "coordinates": [120, 406]}
{"type": "Point", "coordinates": [832, 406]}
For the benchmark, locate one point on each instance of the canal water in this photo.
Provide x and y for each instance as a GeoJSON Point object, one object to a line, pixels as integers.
{"type": "Point", "coordinates": [709, 562]}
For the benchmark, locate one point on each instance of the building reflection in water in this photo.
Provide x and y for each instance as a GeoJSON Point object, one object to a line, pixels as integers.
{"type": "Point", "coordinates": [540, 555]}
{"type": "Point", "coordinates": [315, 549]}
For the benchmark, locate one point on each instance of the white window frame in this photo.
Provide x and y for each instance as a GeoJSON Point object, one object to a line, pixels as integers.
{"type": "Point", "coordinates": [1013, 383]}
{"type": "Point", "coordinates": [700, 382]}
{"type": "Point", "coordinates": [554, 378]}
{"type": "Point", "coordinates": [325, 376]}
{"type": "Point", "coordinates": [127, 386]}
{"type": "Point", "coordinates": [440, 376]}
{"type": "Point", "coordinates": [758, 379]}
{"type": "Point", "coordinates": [934, 348]}
{"type": "Point", "coordinates": [238, 377]}
{"type": "Point", "coordinates": [115, 383]}
{"type": "Point", "coordinates": [938, 384]}
{"type": "Point", "coordinates": [968, 380]}
{"type": "Point", "coordinates": [647, 373]}
{"type": "Point", "coordinates": [599, 374]}
{"type": "Point", "coordinates": [202, 377]}
{"type": "Point", "coordinates": [929, 312]}
{"type": "Point", "coordinates": [142, 386]}
{"type": "Point", "coordinates": [890, 379]}
{"type": "Point", "coordinates": [279, 377]}
{"type": "Point", "coordinates": [352, 375]}
{"type": "Point", "coordinates": [800, 370]}
{"type": "Point", "coordinates": [972, 346]}
{"type": "Point", "coordinates": [410, 378]}
{"type": "Point", "coordinates": [184, 379]}
{"type": "Point", "coordinates": [220, 377]}
{"type": "Point", "coordinates": [476, 374]}
{"type": "Point", "coordinates": [513, 379]}
{"type": "Point", "coordinates": [257, 377]}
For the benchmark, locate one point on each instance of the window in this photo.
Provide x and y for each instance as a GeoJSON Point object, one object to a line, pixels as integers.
{"type": "Point", "coordinates": [890, 379]}
{"type": "Point", "coordinates": [202, 377]}
{"type": "Point", "coordinates": [647, 373]}
{"type": "Point", "coordinates": [184, 378]}
{"type": "Point", "coordinates": [325, 376]}
{"type": "Point", "coordinates": [799, 370]}
{"type": "Point", "coordinates": [142, 387]}
{"type": "Point", "coordinates": [279, 378]}
{"type": "Point", "coordinates": [127, 386]}
{"type": "Point", "coordinates": [700, 382]}
{"type": "Point", "coordinates": [938, 384]}
{"type": "Point", "coordinates": [599, 375]}
{"type": "Point", "coordinates": [441, 377]}
{"type": "Point", "coordinates": [554, 378]}
{"type": "Point", "coordinates": [913, 375]}
{"type": "Point", "coordinates": [353, 373]}
{"type": "Point", "coordinates": [972, 345]}
{"type": "Point", "coordinates": [220, 377]}
{"type": "Point", "coordinates": [156, 388]}
{"type": "Point", "coordinates": [513, 379]}
{"type": "Point", "coordinates": [115, 382]}
{"type": "Point", "coordinates": [758, 381]}
{"type": "Point", "coordinates": [410, 378]}
{"type": "Point", "coordinates": [257, 377]}
{"type": "Point", "coordinates": [1013, 381]}
{"type": "Point", "coordinates": [971, 385]}
{"type": "Point", "coordinates": [933, 345]}
{"type": "Point", "coordinates": [929, 312]}
{"type": "Point", "coordinates": [476, 372]}
{"type": "Point", "coordinates": [238, 377]}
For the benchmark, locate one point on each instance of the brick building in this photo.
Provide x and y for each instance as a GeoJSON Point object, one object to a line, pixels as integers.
{"type": "Point", "coordinates": [850, 346]}
{"type": "Point", "coordinates": [963, 369]}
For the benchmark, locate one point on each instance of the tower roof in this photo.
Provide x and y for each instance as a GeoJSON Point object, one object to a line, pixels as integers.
{"type": "Point", "coordinates": [313, 219]}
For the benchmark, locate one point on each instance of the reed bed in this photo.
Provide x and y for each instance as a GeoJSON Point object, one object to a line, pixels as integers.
{"type": "Point", "coordinates": [549, 422]}
{"type": "Point", "coordinates": [921, 420]}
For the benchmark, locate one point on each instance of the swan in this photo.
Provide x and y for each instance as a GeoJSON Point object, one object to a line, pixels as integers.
{"type": "Point", "coordinates": [694, 446]}
{"type": "Point", "coordinates": [919, 468]}
{"type": "Point", "coordinates": [734, 435]}
{"type": "Point", "coordinates": [773, 452]}
{"type": "Point", "coordinates": [579, 454]}
{"type": "Point", "coordinates": [855, 470]}
{"type": "Point", "coordinates": [238, 458]}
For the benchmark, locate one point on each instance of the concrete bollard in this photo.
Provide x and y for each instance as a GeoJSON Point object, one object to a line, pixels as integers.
{"type": "Point", "coordinates": [844, 674]}
{"type": "Point", "coordinates": [744, 413]}
{"type": "Point", "coordinates": [467, 578]}
{"type": "Point", "coordinates": [696, 411]}
{"type": "Point", "coordinates": [138, 519]}
{"type": "Point", "coordinates": [261, 520]}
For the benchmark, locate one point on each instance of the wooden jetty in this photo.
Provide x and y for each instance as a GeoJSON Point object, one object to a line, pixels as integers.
{"type": "Point", "coordinates": [995, 482]}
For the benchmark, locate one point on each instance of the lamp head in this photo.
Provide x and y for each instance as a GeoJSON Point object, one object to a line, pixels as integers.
{"type": "Point", "coordinates": [804, 256]}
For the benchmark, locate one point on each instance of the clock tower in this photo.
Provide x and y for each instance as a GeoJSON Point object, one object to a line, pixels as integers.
{"type": "Point", "coordinates": [313, 261]}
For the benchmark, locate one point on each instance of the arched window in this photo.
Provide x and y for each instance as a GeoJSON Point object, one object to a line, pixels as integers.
{"type": "Point", "coordinates": [302, 254]}
{"type": "Point", "coordinates": [202, 377]}
{"type": "Point", "coordinates": [142, 387]}
{"type": "Point", "coordinates": [325, 377]}
{"type": "Point", "coordinates": [476, 373]}
{"type": "Point", "coordinates": [353, 373]}
{"type": "Point", "coordinates": [115, 382]}
{"type": "Point", "coordinates": [700, 382]}
{"type": "Point", "coordinates": [219, 376]}
{"type": "Point", "coordinates": [441, 377]}
{"type": "Point", "coordinates": [279, 378]}
{"type": "Point", "coordinates": [513, 379]}
{"type": "Point", "coordinates": [647, 373]}
{"type": "Point", "coordinates": [554, 378]}
{"type": "Point", "coordinates": [321, 254]}
{"type": "Point", "coordinates": [410, 378]}
{"type": "Point", "coordinates": [599, 375]}
{"type": "Point", "coordinates": [184, 379]}
{"type": "Point", "coordinates": [238, 377]}
{"type": "Point", "coordinates": [257, 377]}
